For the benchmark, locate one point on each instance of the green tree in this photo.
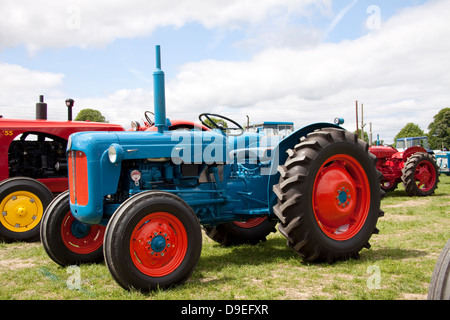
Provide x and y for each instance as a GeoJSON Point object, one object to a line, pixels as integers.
{"type": "Point", "coordinates": [410, 130]}
{"type": "Point", "coordinates": [366, 135]}
{"type": "Point", "coordinates": [219, 122]}
{"type": "Point", "coordinates": [439, 130]}
{"type": "Point", "coordinates": [90, 115]}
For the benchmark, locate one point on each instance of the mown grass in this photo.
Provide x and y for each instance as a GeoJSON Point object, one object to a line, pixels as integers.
{"type": "Point", "coordinates": [397, 267]}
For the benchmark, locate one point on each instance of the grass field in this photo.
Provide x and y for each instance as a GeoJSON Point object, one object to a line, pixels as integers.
{"type": "Point", "coordinates": [397, 267]}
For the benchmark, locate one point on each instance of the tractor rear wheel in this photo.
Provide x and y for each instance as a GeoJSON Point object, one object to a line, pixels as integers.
{"type": "Point", "coordinates": [22, 203]}
{"type": "Point", "coordinates": [328, 196]}
{"type": "Point", "coordinates": [153, 240]}
{"type": "Point", "coordinates": [251, 231]}
{"type": "Point", "coordinates": [67, 241]}
{"type": "Point", "coordinates": [420, 175]}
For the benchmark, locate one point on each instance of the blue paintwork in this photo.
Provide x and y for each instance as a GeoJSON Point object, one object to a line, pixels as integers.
{"type": "Point", "coordinates": [159, 94]}
{"type": "Point", "coordinates": [222, 178]}
{"type": "Point", "coordinates": [280, 156]}
{"type": "Point", "coordinates": [158, 243]}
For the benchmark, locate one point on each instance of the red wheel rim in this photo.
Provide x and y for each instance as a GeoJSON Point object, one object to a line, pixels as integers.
{"type": "Point", "coordinates": [341, 197]}
{"type": "Point", "coordinates": [158, 244]}
{"type": "Point", "coordinates": [425, 176]}
{"type": "Point", "coordinates": [80, 238]}
{"type": "Point", "coordinates": [251, 223]}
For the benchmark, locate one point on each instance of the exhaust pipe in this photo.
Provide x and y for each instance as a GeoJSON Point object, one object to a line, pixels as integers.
{"type": "Point", "coordinates": [69, 104]}
{"type": "Point", "coordinates": [41, 109]}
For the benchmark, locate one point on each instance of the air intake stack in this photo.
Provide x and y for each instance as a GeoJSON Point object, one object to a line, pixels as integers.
{"type": "Point", "coordinates": [159, 94]}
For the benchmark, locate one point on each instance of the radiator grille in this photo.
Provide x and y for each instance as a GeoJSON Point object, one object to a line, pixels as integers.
{"type": "Point", "coordinates": [78, 178]}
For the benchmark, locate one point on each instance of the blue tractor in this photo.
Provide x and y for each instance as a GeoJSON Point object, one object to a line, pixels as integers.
{"type": "Point", "coordinates": [139, 200]}
{"type": "Point", "coordinates": [443, 162]}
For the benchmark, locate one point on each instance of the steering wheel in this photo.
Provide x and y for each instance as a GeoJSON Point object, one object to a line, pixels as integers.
{"type": "Point", "coordinates": [147, 117]}
{"type": "Point", "coordinates": [213, 125]}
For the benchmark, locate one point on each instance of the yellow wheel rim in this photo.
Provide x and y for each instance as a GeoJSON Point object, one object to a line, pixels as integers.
{"type": "Point", "coordinates": [21, 211]}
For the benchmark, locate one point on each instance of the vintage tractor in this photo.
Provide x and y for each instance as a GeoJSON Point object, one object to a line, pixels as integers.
{"type": "Point", "coordinates": [415, 166]}
{"type": "Point", "coordinates": [443, 162]}
{"type": "Point", "coordinates": [138, 199]}
{"type": "Point", "coordinates": [33, 167]}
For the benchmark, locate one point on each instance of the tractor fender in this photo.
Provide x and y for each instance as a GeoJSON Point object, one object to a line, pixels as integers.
{"type": "Point", "coordinates": [411, 150]}
{"type": "Point", "coordinates": [279, 156]}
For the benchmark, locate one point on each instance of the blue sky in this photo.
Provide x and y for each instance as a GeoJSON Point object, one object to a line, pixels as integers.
{"type": "Point", "coordinates": [303, 60]}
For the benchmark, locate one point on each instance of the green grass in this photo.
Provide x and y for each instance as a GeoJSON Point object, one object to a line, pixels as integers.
{"type": "Point", "coordinates": [397, 267]}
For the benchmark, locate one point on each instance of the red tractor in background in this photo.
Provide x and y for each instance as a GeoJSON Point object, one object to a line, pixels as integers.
{"type": "Point", "coordinates": [33, 167]}
{"type": "Point", "coordinates": [415, 167]}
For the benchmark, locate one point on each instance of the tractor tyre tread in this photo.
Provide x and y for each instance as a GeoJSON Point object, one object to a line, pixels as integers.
{"type": "Point", "coordinates": [292, 199]}
{"type": "Point", "coordinates": [440, 279]}
{"type": "Point", "coordinates": [408, 174]}
{"type": "Point", "coordinates": [38, 189]}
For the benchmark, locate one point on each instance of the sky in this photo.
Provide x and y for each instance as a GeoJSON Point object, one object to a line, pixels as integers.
{"type": "Point", "coordinates": [304, 61]}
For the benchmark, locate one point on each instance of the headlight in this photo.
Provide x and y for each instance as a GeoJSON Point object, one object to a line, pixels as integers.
{"type": "Point", "coordinates": [338, 121]}
{"type": "Point", "coordinates": [115, 153]}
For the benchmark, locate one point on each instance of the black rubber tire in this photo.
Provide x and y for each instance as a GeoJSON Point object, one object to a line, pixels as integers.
{"type": "Point", "coordinates": [119, 232]}
{"type": "Point", "coordinates": [52, 240]}
{"type": "Point", "coordinates": [409, 172]}
{"type": "Point", "coordinates": [34, 187]}
{"type": "Point", "coordinates": [231, 234]}
{"type": "Point", "coordinates": [295, 193]}
{"type": "Point", "coordinates": [440, 279]}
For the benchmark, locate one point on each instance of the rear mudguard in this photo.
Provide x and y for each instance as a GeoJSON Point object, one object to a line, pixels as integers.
{"type": "Point", "coordinates": [411, 150]}
{"type": "Point", "coordinates": [279, 156]}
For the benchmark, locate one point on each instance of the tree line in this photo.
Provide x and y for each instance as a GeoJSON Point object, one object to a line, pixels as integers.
{"type": "Point", "coordinates": [438, 131]}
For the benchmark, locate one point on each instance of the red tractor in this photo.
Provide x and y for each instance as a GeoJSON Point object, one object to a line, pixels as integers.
{"type": "Point", "coordinates": [33, 167]}
{"type": "Point", "coordinates": [414, 166]}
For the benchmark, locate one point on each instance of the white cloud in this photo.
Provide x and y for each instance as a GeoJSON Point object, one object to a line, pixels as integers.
{"type": "Point", "coordinates": [21, 87]}
{"type": "Point", "coordinates": [44, 23]}
{"type": "Point", "coordinates": [121, 107]}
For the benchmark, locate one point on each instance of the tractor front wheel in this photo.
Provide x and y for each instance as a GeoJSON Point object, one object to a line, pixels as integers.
{"type": "Point", "coordinates": [66, 240]}
{"type": "Point", "coordinates": [22, 204]}
{"type": "Point", "coordinates": [328, 196]}
{"type": "Point", "coordinates": [420, 175]}
{"type": "Point", "coordinates": [153, 240]}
